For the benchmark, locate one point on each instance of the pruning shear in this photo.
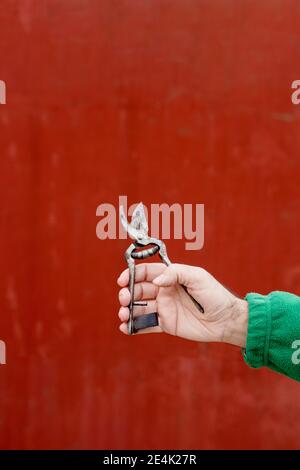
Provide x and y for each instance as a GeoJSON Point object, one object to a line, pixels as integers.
{"type": "Point", "coordinates": [143, 247]}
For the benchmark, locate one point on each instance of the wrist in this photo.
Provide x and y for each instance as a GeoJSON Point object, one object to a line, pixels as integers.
{"type": "Point", "coordinates": [237, 325]}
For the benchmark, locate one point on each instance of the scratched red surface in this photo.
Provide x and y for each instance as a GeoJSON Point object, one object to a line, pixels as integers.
{"type": "Point", "coordinates": [163, 101]}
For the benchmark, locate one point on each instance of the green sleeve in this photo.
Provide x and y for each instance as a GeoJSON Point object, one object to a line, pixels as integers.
{"type": "Point", "coordinates": [273, 338]}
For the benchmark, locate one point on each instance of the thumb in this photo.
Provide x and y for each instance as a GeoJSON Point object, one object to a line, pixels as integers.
{"type": "Point", "coordinates": [178, 273]}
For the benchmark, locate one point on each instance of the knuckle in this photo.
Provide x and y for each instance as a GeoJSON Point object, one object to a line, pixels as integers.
{"type": "Point", "coordinates": [200, 272]}
{"type": "Point", "coordinates": [175, 266]}
{"type": "Point", "coordinates": [174, 269]}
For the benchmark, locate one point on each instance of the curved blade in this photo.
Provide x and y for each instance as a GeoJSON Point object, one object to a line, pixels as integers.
{"type": "Point", "coordinates": [138, 228]}
{"type": "Point", "coordinates": [138, 219]}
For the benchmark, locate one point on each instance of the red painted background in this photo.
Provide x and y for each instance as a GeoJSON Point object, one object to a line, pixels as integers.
{"type": "Point", "coordinates": [184, 101]}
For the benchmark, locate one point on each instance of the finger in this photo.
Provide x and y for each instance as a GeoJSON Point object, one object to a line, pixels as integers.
{"type": "Point", "coordinates": [153, 329]}
{"type": "Point", "coordinates": [124, 329]}
{"type": "Point", "coordinates": [123, 279]}
{"type": "Point", "coordinates": [138, 310]}
{"type": "Point", "coordinates": [181, 274]}
{"type": "Point", "coordinates": [124, 297]}
{"type": "Point", "coordinates": [142, 291]}
{"type": "Point", "coordinates": [143, 272]}
{"type": "Point", "coordinates": [145, 290]}
{"type": "Point", "coordinates": [123, 314]}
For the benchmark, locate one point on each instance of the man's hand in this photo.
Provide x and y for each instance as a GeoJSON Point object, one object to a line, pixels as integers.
{"type": "Point", "coordinates": [225, 318]}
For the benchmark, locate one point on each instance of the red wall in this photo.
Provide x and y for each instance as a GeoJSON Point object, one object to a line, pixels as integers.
{"type": "Point", "coordinates": [184, 101]}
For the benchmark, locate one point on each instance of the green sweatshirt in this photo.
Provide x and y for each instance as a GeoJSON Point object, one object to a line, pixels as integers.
{"type": "Point", "coordinates": [273, 338]}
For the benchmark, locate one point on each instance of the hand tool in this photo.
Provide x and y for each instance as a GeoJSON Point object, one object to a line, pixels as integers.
{"type": "Point", "coordinates": [138, 230]}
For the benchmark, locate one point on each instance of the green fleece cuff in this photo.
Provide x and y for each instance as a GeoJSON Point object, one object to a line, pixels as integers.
{"type": "Point", "coordinates": [259, 330]}
{"type": "Point", "coordinates": [273, 338]}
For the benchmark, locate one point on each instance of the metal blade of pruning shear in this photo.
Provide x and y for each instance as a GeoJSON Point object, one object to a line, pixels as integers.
{"type": "Point", "coordinates": [138, 227]}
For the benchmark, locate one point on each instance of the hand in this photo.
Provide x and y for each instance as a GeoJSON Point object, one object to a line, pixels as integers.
{"type": "Point", "coordinates": [225, 318]}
